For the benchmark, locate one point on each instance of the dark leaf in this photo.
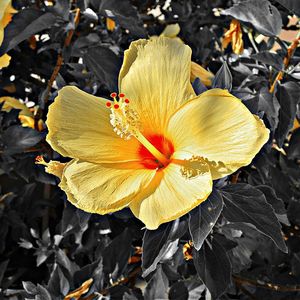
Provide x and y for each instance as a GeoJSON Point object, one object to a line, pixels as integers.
{"type": "Point", "coordinates": [261, 14]}
{"type": "Point", "coordinates": [223, 78]}
{"type": "Point", "coordinates": [3, 266]}
{"type": "Point", "coordinates": [104, 64]}
{"type": "Point", "coordinates": [178, 291]}
{"type": "Point", "coordinates": [292, 5]}
{"type": "Point", "coordinates": [157, 286]}
{"type": "Point", "coordinates": [244, 203]}
{"type": "Point", "coordinates": [42, 293]}
{"type": "Point", "coordinates": [268, 103]}
{"type": "Point", "coordinates": [58, 284]}
{"type": "Point", "coordinates": [124, 14]}
{"type": "Point", "coordinates": [25, 24]}
{"type": "Point", "coordinates": [272, 198]}
{"type": "Point", "coordinates": [288, 95]}
{"type": "Point", "coordinates": [203, 218]}
{"type": "Point", "coordinates": [213, 267]}
{"type": "Point", "coordinates": [29, 287]}
{"type": "Point", "coordinates": [155, 243]}
{"type": "Point", "coordinates": [16, 139]}
{"type": "Point", "coordinates": [198, 86]}
{"type": "Point", "coordinates": [293, 151]}
{"type": "Point", "coordinates": [269, 58]}
{"type": "Point", "coordinates": [117, 253]}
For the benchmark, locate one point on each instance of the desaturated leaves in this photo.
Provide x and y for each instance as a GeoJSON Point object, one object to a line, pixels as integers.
{"type": "Point", "coordinates": [203, 218]}
{"type": "Point", "coordinates": [25, 24]}
{"type": "Point", "coordinates": [104, 64]}
{"type": "Point", "coordinates": [261, 14]}
{"type": "Point", "coordinates": [244, 203]}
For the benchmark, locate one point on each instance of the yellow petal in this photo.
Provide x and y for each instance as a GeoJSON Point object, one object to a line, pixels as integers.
{"type": "Point", "coordinates": [171, 30]}
{"type": "Point", "coordinates": [176, 194]}
{"type": "Point", "coordinates": [79, 127]}
{"type": "Point", "coordinates": [4, 61]}
{"type": "Point", "coordinates": [102, 189]}
{"type": "Point", "coordinates": [205, 76]}
{"type": "Point", "coordinates": [4, 4]}
{"type": "Point", "coordinates": [6, 11]}
{"type": "Point", "coordinates": [218, 127]}
{"type": "Point", "coordinates": [155, 76]}
{"type": "Point", "coordinates": [10, 103]}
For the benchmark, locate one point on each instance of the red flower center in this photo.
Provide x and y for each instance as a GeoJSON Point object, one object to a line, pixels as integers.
{"type": "Point", "coordinates": [162, 144]}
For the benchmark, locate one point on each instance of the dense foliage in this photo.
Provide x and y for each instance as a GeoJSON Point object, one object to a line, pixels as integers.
{"type": "Point", "coordinates": [246, 236]}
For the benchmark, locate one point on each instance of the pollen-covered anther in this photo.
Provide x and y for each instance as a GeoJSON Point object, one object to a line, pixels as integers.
{"type": "Point", "coordinates": [193, 167]}
{"type": "Point", "coordinates": [125, 120]}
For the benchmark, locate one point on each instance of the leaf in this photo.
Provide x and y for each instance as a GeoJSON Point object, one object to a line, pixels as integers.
{"type": "Point", "coordinates": [223, 78]}
{"type": "Point", "coordinates": [213, 267]}
{"type": "Point", "coordinates": [58, 284]}
{"type": "Point", "coordinates": [269, 58]}
{"type": "Point", "coordinates": [125, 14]}
{"type": "Point", "coordinates": [268, 103]}
{"type": "Point", "coordinates": [155, 243]}
{"type": "Point", "coordinates": [288, 97]}
{"type": "Point", "coordinates": [117, 253]}
{"type": "Point", "coordinates": [272, 198]}
{"type": "Point", "coordinates": [42, 293]}
{"type": "Point", "coordinates": [3, 266]}
{"type": "Point", "coordinates": [29, 287]}
{"type": "Point", "coordinates": [24, 24]}
{"type": "Point", "coordinates": [16, 139]}
{"type": "Point", "coordinates": [157, 286]}
{"type": "Point", "coordinates": [203, 218]}
{"type": "Point", "coordinates": [198, 86]}
{"type": "Point", "coordinates": [261, 14]}
{"type": "Point", "coordinates": [104, 64]}
{"type": "Point", "coordinates": [244, 203]}
{"type": "Point", "coordinates": [293, 151]}
{"type": "Point", "coordinates": [178, 291]}
{"type": "Point", "coordinates": [292, 5]}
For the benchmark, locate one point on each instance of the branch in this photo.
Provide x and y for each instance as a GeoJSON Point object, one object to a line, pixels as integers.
{"type": "Point", "coordinates": [269, 286]}
{"type": "Point", "coordinates": [290, 52]}
{"type": "Point", "coordinates": [59, 60]}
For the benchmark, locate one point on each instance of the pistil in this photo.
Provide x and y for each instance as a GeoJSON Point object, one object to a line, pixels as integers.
{"type": "Point", "coordinates": [126, 123]}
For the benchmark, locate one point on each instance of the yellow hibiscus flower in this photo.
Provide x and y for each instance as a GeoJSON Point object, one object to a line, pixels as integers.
{"type": "Point", "coordinates": [6, 11]}
{"type": "Point", "coordinates": [159, 147]}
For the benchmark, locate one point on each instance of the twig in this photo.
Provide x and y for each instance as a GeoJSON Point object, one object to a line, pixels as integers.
{"type": "Point", "coordinates": [290, 52]}
{"type": "Point", "coordinates": [59, 60]}
{"type": "Point", "coordinates": [269, 286]}
{"type": "Point", "coordinates": [235, 177]}
{"type": "Point", "coordinates": [131, 276]}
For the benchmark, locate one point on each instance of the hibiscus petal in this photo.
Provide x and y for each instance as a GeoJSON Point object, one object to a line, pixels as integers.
{"type": "Point", "coordinates": [156, 76]}
{"type": "Point", "coordinates": [219, 127]}
{"type": "Point", "coordinates": [175, 193]}
{"type": "Point", "coordinates": [103, 189]}
{"type": "Point", "coordinates": [79, 127]}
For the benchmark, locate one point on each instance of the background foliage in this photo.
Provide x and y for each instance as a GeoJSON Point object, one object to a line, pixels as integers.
{"type": "Point", "coordinates": [246, 236]}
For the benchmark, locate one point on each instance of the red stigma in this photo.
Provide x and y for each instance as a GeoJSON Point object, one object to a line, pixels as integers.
{"type": "Point", "coordinates": [162, 144]}
{"type": "Point", "coordinates": [121, 95]}
{"type": "Point", "coordinates": [113, 95]}
{"type": "Point", "coordinates": [116, 106]}
{"type": "Point", "coordinates": [127, 101]}
{"type": "Point", "coordinates": [108, 104]}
